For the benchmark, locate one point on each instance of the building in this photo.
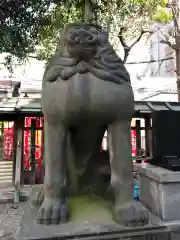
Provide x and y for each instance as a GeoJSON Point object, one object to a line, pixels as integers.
{"type": "Point", "coordinates": [23, 135]}
{"type": "Point", "coordinates": [156, 89]}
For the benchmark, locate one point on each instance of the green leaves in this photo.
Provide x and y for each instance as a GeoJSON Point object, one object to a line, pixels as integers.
{"type": "Point", "coordinates": [26, 24]}
{"type": "Point", "coordinates": [156, 9]}
{"type": "Point", "coordinates": [162, 15]}
{"type": "Point", "coordinates": [48, 34]}
{"type": "Point", "coordinates": [18, 25]}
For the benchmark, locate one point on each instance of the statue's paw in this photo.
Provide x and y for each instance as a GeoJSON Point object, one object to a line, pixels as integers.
{"type": "Point", "coordinates": [52, 211]}
{"type": "Point", "coordinates": [131, 214]}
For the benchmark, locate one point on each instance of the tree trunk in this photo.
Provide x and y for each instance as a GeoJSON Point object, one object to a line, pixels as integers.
{"type": "Point", "coordinates": [178, 72]}
{"type": "Point", "coordinates": [176, 5]}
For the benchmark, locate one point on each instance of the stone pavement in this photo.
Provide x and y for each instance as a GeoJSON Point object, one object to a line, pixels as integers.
{"type": "Point", "coordinates": [10, 216]}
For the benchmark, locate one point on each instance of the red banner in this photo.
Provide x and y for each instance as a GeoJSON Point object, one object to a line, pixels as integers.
{"type": "Point", "coordinates": [9, 137]}
{"type": "Point", "coordinates": [27, 143]}
{"type": "Point", "coordinates": [133, 142]}
{"type": "Point", "coordinates": [8, 140]}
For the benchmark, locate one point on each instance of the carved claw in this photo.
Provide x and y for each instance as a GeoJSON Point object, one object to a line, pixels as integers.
{"type": "Point", "coordinates": [131, 214]}
{"type": "Point", "coordinates": [52, 211]}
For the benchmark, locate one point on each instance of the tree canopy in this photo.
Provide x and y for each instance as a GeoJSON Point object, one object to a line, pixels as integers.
{"type": "Point", "coordinates": [33, 26]}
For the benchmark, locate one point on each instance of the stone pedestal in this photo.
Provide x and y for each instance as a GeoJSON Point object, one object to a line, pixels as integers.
{"type": "Point", "coordinates": [92, 229]}
{"type": "Point", "coordinates": [160, 193]}
{"type": "Point", "coordinates": [91, 218]}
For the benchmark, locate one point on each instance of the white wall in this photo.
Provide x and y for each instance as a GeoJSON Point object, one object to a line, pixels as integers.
{"type": "Point", "coordinates": [164, 98]}
{"type": "Point", "coordinates": [156, 89]}
{"type": "Point", "coordinates": [160, 51]}
{"type": "Point", "coordinates": [159, 76]}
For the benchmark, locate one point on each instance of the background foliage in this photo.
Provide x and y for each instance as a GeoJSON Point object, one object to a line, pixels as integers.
{"type": "Point", "coordinates": [33, 26]}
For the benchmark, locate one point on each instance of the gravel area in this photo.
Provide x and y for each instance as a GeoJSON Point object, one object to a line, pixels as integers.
{"type": "Point", "coordinates": [10, 216]}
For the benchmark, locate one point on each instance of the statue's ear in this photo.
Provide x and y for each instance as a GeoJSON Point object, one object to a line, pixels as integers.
{"type": "Point", "coordinates": [104, 36]}
{"type": "Point", "coordinates": [60, 40]}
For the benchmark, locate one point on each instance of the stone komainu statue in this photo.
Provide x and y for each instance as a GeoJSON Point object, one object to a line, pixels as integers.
{"type": "Point", "coordinates": [86, 90]}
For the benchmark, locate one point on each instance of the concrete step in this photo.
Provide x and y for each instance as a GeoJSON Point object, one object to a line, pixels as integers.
{"type": "Point", "coordinates": [6, 173]}
{"type": "Point", "coordinates": [6, 178]}
{"type": "Point", "coordinates": [6, 169]}
{"type": "Point", "coordinates": [6, 166]}
{"type": "Point", "coordinates": [6, 193]}
{"type": "Point", "coordinates": [6, 196]}
{"type": "Point", "coordinates": [6, 185]}
{"type": "Point", "coordinates": [6, 163]}
{"type": "Point", "coordinates": [3, 170]}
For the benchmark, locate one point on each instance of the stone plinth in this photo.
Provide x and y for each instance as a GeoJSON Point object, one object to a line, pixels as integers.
{"type": "Point", "coordinates": [160, 191]}
{"type": "Point", "coordinates": [91, 229]}
{"type": "Point", "coordinates": [91, 218]}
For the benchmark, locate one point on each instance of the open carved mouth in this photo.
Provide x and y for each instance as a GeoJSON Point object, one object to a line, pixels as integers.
{"type": "Point", "coordinates": [84, 51]}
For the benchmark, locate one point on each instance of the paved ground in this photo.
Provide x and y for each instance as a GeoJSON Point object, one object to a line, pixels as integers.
{"type": "Point", "coordinates": [10, 216]}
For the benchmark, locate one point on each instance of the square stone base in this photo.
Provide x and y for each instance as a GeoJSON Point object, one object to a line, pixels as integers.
{"type": "Point", "coordinates": [160, 191]}
{"type": "Point", "coordinates": [92, 229]}
{"type": "Point", "coordinates": [30, 230]}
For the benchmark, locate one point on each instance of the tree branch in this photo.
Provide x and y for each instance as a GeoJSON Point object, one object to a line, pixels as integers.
{"type": "Point", "coordinates": [139, 38]}
{"type": "Point", "coordinates": [152, 61]}
{"type": "Point", "coordinates": [165, 40]}
{"type": "Point", "coordinates": [123, 43]}
{"type": "Point", "coordinates": [126, 47]}
{"type": "Point", "coordinates": [173, 46]}
{"type": "Point", "coordinates": [31, 56]}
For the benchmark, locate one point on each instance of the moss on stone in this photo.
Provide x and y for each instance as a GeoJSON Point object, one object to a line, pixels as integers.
{"type": "Point", "coordinates": [89, 207]}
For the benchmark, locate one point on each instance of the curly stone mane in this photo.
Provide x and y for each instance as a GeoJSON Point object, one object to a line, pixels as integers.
{"type": "Point", "coordinates": [102, 62]}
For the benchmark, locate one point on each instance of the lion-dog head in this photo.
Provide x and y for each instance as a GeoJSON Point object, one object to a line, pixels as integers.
{"type": "Point", "coordinates": [86, 48]}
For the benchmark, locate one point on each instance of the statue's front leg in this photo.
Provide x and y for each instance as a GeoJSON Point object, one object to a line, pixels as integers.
{"type": "Point", "coordinates": [126, 211]}
{"type": "Point", "coordinates": [54, 209]}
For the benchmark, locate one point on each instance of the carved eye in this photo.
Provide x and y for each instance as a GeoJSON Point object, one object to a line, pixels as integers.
{"type": "Point", "coordinates": [74, 37]}
{"type": "Point", "coordinates": [89, 37]}
{"type": "Point", "coordinates": [94, 31]}
{"type": "Point", "coordinates": [86, 28]}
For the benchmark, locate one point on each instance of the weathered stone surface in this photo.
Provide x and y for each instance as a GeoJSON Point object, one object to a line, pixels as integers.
{"type": "Point", "coordinates": [90, 229]}
{"type": "Point", "coordinates": [37, 195]}
{"type": "Point", "coordinates": [86, 90]}
{"type": "Point", "coordinates": [160, 191]}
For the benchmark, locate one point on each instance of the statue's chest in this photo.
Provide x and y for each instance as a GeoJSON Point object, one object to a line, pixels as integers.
{"type": "Point", "coordinates": [86, 95]}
